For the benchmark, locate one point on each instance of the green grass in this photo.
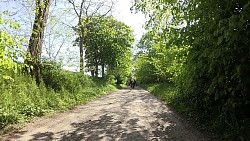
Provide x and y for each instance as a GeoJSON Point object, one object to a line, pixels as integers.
{"type": "Point", "coordinates": [168, 93]}
{"type": "Point", "coordinates": [164, 91]}
{"type": "Point", "coordinates": [21, 100]}
{"type": "Point", "coordinates": [215, 126]}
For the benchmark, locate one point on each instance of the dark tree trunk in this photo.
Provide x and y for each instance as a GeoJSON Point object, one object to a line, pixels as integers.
{"type": "Point", "coordinates": [36, 38]}
{"type": "Point", "coordinates": [92, 68]}
{"type": "Point", "coordinates": [92, 73]}
{"type": "Point", "coordinates": [103, 73]}
{"type": "Point", "coordinates": [96, 69]}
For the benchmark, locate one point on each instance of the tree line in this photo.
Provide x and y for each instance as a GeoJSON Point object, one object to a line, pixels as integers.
{"type": "Point", "coordinates": [105, 41]}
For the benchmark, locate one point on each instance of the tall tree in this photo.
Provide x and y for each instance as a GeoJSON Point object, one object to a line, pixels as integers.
{"type": "Point", "coordinates": [109, 46]}
{"type": "Point", "coordinates": [88, 9]}
{"type": "Point", "coordinates": [36, 38]}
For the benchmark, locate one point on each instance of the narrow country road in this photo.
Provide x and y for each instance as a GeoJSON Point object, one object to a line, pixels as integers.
{"type": "Point", "coordinates": [125, 115]}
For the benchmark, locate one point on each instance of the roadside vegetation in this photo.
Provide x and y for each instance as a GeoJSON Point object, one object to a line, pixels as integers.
{"type": "Point", "coordinates": [22, 99]}
{"type": "Point", "coordinates": [195, 56]}
{"type": "Point", "coordinates": [33, 82]}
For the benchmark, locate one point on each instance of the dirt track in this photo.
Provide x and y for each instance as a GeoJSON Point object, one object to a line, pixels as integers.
{"type": "Point", "coordinates": [126, 115]}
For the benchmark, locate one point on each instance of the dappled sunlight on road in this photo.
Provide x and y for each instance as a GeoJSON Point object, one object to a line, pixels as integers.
{"type": "Point", "coordinates": [123, 115]}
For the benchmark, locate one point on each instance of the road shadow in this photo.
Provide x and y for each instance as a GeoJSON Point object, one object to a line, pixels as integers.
{"type": "Point", "coordinates": [105, 128]}
{"type": "Point", "coordinates": [153, 122]}
{"type": "Point", "coordinates": [46, 136]}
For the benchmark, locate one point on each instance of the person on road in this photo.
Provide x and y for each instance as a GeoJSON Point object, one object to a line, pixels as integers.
{"type": "Point", "coordinates": [132, 83]}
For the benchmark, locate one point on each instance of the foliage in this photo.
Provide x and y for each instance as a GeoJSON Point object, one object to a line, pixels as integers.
{"type": "Point", "coordinates": [57, 79]}
{"type": "Point", "coordinates": [158, 61]}
{"type": "Point", "coordinates": [108, 44]}
{"type": "Point", "coordinates": [9, 49]}
{"type": "Point", "coordinates": [85, 11]}
{"type": "Point", "coordinates": [211, 74]}
{"type": "Point", "coordinates": [22, 99]}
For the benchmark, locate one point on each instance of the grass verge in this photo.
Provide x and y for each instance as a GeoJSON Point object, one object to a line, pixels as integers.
{"type": "Point", "coordinates": [213, 128]}
{"type": "Point", "coordinates": [21, 100]}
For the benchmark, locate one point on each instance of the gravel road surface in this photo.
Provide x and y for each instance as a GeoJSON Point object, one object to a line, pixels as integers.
{"type": "Point", "coordinates": [124, 115]}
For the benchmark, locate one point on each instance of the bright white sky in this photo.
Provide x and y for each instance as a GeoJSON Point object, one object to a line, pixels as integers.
{"type": "Point", "coordinates": [136, 21]}
{"type": "Point", "coordinates": [122, 12]}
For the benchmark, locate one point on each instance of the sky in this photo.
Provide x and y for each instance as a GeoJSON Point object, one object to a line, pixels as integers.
{"type": "Point", "coordinates": [122, 12]}
{"type": "Point", "coordinates": [136, 21]}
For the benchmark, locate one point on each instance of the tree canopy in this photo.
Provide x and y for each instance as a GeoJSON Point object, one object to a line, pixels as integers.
{"type": "Point", "coordinates": [108, 45]}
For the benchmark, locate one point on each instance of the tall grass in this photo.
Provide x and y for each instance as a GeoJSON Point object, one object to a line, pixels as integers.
{"type": "Point", "coordinates": [169, 93]}
{"type": "Point", "coordinates": [21, 99]}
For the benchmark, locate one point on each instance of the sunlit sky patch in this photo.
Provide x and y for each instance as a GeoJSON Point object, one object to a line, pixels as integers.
{"type": "Point", "coordinates": [123, 13]}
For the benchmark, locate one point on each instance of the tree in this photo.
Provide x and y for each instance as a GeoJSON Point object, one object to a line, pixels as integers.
{"type": "Point", "coordinates": [108, 46]}
{"type": "Point", "coordinates": [36, 38]}
{"type": "Point", "coordinates": [85, 10]}
{"type": "Point", "coordinates": [116, 52]}
{"type": "Point", "coordinates": [157, 60]}
{"type": "Point", "coordinates": [58, 30]}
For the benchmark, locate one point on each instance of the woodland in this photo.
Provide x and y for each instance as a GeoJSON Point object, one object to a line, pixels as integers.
{"type": "Point", "coordinates": [194, 55]}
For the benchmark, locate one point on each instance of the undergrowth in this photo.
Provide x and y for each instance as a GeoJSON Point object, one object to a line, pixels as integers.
{"type": "Point", "coordinates": [218, 126]}
{"type": "Point", "coordinates": [21, 99]}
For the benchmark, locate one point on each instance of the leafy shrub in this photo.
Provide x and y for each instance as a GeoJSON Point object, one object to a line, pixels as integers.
{"type": "Point", "coordinates": [8, 116]}
{"type": "Point", "coordinates": [57, 79]}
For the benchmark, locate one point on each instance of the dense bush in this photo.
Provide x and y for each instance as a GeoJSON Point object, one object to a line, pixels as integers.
{"type": "Point", "coordinates": [58, 79]}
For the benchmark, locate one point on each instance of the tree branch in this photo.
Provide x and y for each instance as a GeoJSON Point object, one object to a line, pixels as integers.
{"type": "Point", "coordinates": [74, 7]}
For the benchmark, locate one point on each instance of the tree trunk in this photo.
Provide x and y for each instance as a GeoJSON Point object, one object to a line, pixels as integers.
{"type": "Point", "coordinates": [36, 38]}
{"type": "Point", "coordinates": [93, 73]}
{"type": "Point", "coordinates": [81, 49]}
{"type": "Point", "coordinates": [82, 43]}
{"type": "Point", "coordinates": [96, 69]}
{"type": "Point", "coordinates": [103, 73]}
